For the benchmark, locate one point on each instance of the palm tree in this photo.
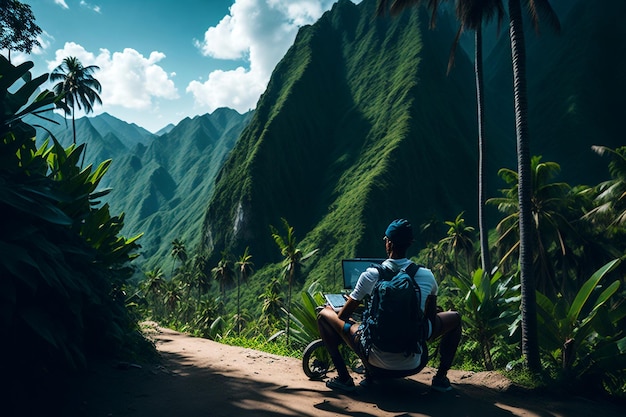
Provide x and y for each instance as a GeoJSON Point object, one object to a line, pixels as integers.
{"type": "Point", "coordinates": [77, 84]}
{"type": "Point", "coordinates": [172, 295]}
{"type": "Point", "coordinates": [472, 14]}
{"type": "Point", "coordinates": [245, 269]}
{"type": "Point", "coordinates": [292, 263]}
{"type": "Point", "coordinates": [459, 241]}
{"type": "Point", "coordinates": [202, 282]}
{"type": "Point", "coordinates": [272, 300]}
{"type": "Point", "coordinates": [153, 285]}
{"type": "Point", "coordinates": [612, 196]}
{"type": "Point", "coordinates": [179, 253]}
{"type": "Point", "coordinates": [553, 212]}
{"type": "Point", "coordinates": [223, 273]}
{"type": "Point", "coordinates": [530, 344]}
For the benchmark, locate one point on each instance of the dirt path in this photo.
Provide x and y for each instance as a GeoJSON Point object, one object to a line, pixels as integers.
{"type": "Point", "coordinates": [199, 377]}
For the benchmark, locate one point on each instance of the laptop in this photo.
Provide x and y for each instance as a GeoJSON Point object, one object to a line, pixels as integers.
{"type": "Point", "coordinates": [351, 269]}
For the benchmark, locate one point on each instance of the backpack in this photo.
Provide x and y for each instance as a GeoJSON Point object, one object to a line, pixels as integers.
{"type": "Point", "coordinates": [394, 320]}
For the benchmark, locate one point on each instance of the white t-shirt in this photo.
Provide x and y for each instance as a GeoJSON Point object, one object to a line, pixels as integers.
{"type": "Point", "coordinates": [364, 286]}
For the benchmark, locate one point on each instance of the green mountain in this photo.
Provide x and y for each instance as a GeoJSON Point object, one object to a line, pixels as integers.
{"type": "Point", "coordinates": [360, 124]}
{"type": "Point", "coordinates": [164, 187]}
{"type": "Point", "coordinates": [161, 182]}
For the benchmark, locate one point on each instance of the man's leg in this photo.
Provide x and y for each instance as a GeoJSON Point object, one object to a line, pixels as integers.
{"type": "Point", "coordinates": [333, 330]}
{"type": "Point", "coordinates": [448, 326]}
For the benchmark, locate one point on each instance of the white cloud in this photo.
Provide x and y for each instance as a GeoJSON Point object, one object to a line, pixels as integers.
{"type": "Point", "coordinates": [90, 6]}
{"type": "Point", "coordinates": [260, 32]}
{"type": "Point", "coordinates": [61, 3]}
{"type": "Point", "coordinates": [238, 89]}
{"type": "Point", "coordinates": [128, 79]}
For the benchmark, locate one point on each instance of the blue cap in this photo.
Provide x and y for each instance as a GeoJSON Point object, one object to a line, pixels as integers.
{"type": "Point", "coordinates": [400, 231]}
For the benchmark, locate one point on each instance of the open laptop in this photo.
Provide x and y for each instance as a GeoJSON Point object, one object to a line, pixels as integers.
{"type": "Point", "coordinates": [351, 269]}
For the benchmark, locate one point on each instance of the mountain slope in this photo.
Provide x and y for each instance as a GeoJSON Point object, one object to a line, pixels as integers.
{"type": "Point", "coordinates": [161, 183]}
{"type": "Point", "coordinates": [164, 187]}
{"type": "Point", "coordinates": [358, 125]}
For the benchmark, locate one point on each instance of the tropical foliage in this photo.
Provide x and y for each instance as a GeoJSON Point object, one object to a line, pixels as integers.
{"type": "Point", "coordinates": [489, 308]}
{"type": "Point", "coordinates": [292, 262]}
{"type": "Point", "coordinates": [63, 263]}
{"type": "Point", "coordinates": [585, 338]}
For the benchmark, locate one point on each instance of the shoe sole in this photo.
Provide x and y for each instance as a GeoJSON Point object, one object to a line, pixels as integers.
{"type": "Point", "coordinates": [341, 388]}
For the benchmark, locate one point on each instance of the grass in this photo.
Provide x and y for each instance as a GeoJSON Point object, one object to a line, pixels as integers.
{"type": "Point", "coordinates": [262, 344]}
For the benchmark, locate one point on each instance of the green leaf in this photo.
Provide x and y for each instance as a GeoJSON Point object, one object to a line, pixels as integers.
{"type": "Point", "coordinates": [587, 289]}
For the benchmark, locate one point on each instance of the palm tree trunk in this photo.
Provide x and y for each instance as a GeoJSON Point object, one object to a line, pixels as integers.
{"type": "Point", "coordinates": [73, 125]}
{"type": "Point", "coordinates": [530, 345]}
{"type": "Point", "coordinates": [291, 274]}
{"type": "Point", "coordinates": [238, 309]}
{"type": "Point", "coordinates": [482, 227]}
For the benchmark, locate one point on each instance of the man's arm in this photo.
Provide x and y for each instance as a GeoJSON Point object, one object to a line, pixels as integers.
{"type": "Point", "coordinates": [348, 308]}
{"type": "Point", "coordinates": [430, 310]}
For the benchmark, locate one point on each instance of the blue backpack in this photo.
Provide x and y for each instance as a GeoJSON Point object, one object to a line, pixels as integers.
{"type": "Point", "coordinates": [394, 320]}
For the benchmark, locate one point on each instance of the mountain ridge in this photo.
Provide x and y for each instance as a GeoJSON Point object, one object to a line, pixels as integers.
{"type": "Point", "coordinates": [363, 163]}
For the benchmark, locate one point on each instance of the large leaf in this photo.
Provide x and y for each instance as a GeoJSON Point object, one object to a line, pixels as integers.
{"type": "Point", "coordinates": [587, 289]}
{"type": "Point", "coordinates": [37, 202]}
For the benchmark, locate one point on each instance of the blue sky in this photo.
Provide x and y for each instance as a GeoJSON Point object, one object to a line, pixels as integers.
{"type": "Point", "coordinates": [161, 61]}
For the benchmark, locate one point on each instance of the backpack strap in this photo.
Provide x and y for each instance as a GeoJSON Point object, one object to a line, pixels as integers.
{"type": "Point", "coordinates": [412, 270]}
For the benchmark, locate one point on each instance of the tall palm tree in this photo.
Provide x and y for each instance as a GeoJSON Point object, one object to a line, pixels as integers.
{"type": "Point", "coordinates": [293, 258]}
{"type": "Point", "coordinates": [78, 85]}
{"type": "Point", "coordinates": [201, 281]}
{"type": "Point", "coordinates": [530, 344]}
{"type": "Point", "coordinates": [472, 14]}
{"type": "Point", "coordinates": [245, 269]}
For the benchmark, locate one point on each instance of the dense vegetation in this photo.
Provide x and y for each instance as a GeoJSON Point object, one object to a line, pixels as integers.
{"type": "Point", "coordinates": [63, 262]}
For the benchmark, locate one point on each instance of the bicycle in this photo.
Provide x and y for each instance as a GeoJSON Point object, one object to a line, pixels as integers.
{"type": "Point", "coordinates": [316, 362]}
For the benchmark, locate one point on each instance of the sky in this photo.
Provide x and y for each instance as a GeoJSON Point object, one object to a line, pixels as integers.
{"type": "Point", "coordinates": [161, 61]}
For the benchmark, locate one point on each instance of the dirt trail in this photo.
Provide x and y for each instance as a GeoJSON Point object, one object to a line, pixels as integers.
{"type": "Point", "coordinates": [199, 377]}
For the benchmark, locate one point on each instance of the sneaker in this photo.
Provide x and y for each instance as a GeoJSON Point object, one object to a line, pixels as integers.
{"type": "Point", "coordinates": [336, 383]}
{"type": "Point", "coordinates": [367, 382]}
{"type": "Point", "coordinates": [441, 384]}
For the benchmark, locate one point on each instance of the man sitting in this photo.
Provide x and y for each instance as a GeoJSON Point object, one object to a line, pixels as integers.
{"type": "Point", "coordinates": [335, 327]}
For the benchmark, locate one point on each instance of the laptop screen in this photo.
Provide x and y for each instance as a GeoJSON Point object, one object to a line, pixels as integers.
{"type": "Point", "coordinates": [352, 269]}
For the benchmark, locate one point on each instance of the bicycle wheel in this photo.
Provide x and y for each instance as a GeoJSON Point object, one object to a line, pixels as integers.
{"type": "Point", "coordinates": [316, 360]}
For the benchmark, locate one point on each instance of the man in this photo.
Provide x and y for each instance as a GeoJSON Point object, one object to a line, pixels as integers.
{"type": "Point", "coordinates": [335, 327]}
